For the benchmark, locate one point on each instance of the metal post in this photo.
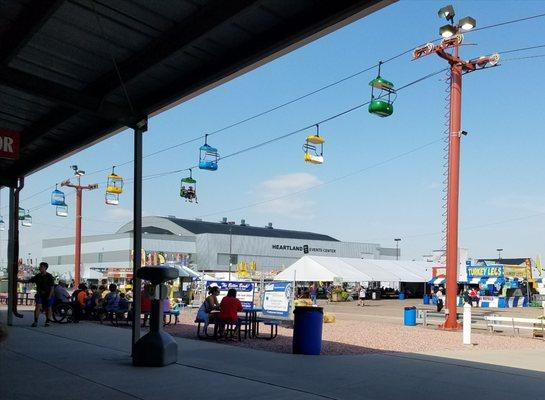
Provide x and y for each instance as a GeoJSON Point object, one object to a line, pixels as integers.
{"type": "Point", "coordinates": [467, 324]}
{"type": "Point", "coordinates": [77, 250]}
{"type": "Point", "coordinates": [397, 240]}
{"type": "Point", "coordinates": [230, 251]}
{"type": "Point", "coordinates": [13, 250]}
{"type": "Point", "coordinates": [453, 191]}
{"type": "Point", "coordinates": [137, 233]}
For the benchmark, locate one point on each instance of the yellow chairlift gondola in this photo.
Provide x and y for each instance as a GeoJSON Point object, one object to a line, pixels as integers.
{"type": "Point", "coordinates": [311, 146]}
{"type": "Point", "coordinates": [114, 188]}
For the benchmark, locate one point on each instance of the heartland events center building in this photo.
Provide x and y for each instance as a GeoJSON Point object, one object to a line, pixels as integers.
{"type": "Point", "coordinates": [204, 246]}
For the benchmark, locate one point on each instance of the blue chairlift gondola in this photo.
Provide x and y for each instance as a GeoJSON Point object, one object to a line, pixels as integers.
{"type": "Point", "coordinates": [208, 156]}
{"type": "Point", "coordinates": [57, 197]}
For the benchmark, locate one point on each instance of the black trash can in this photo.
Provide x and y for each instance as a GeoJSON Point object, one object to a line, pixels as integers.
{"type": "Point", "coordinates": [307, 330]}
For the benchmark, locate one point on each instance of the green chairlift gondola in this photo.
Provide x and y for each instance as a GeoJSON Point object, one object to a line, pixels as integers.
{"type": "Point", "coordinates": [382, 101]}
{"type": "Point", "coordinates": [188, 188]}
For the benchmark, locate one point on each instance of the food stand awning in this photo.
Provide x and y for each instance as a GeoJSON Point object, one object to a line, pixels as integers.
{"type": "Point", "coordinates": [483, 280]}
{"type": "Point", "coordinates": [440, 280]}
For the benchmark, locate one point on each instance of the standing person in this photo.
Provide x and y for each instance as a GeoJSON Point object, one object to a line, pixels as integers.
{"type": "Point", "coordinates": [314, 292]}
{"type": "Point", "coordinates": [44, 293]}
{"type": "Point", "coordinates": [474, 297]}
{"type": "Point", "coordinates": [361, 296]}
{"type": "Point", "coordinates": [440, 299]}
{"type": "Point", "coordinates": [329, 291]}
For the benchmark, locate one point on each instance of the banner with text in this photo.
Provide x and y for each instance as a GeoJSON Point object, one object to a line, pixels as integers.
{"type": "Point", "coordinates": [245, 291]}
{"type": "Point", "coordinates": [277, 299]}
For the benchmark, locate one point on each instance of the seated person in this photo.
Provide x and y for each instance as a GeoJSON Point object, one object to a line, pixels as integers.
{"type": "Point", "coordinates": [61, 293]}
{"type": "Point", "coordinates": [123, 303]}
{"type": "Point", "coordinates": [91, 300]}
{"type": "Point", "coordinates": [78, 300]}
{"type": "Point", "coordinates": [145, 302]}
{"type": "Point", "coordinates": [229, 307]}
{"type": "Point", "coordinates": [209, 304]}
{"type": "Point", "coordinates": [111, 301]}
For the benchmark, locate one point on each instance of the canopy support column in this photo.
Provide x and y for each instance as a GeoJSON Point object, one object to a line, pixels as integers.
{"type": "Point", "coordinates": [13, 250]}
{"type": "Point", "coordinates": [139, 129]}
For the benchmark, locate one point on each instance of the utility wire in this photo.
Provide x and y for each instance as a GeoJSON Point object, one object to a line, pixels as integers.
{"type": "Point", "coordinates": [277, 138]}
{"type": "Point", "coordinates": [350, 174]}
{"type": "Point", "coordinates": [314, 92]}
{"type": "Point", "coordinates": [165, 173]}
{"type": "Point", "coordinates": [514, 21]}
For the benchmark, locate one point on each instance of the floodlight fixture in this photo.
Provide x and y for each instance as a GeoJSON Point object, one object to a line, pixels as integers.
{"type": "Point", "coordinates": [447, 31]}
{"type": "Point", "coordinates": [467, 23]}
{"type": "Point", "coordinates": [77, 172]}
{"type": "Point", "coordinates": [447, 12]}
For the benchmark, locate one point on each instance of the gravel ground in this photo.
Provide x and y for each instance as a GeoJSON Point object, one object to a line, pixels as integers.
{"type": "Point", "coordinates": [361, 337]}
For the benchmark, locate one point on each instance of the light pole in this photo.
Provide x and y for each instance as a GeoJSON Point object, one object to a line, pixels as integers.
{"type": "Point", "coordinates": [397, 240]}
{"type": "Point", "coordinates": [452, 39]}
{"type": "Point", "coordinates": [231, 223]}
{"type": "Point", "coordinates": [79, 191]}
{"type": "Point", "coordinates": [499, 253]}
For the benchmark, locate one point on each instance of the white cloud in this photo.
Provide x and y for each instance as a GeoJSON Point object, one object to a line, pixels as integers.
{"type": "Point", "coordinates": [279, 189]}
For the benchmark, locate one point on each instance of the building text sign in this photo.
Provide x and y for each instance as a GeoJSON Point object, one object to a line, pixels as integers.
{"type": "Point", "coordinates": [9, 144]}
{"type": "Point", "coordinates": [488, 270]}
{"type": "Point", "coordinates": [305, 249]}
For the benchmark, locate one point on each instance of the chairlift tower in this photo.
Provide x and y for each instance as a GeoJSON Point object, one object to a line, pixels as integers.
{"type": "Point", "coordinates": [452, 40]}
{"type": "Point", "coordinates": [79, 192]}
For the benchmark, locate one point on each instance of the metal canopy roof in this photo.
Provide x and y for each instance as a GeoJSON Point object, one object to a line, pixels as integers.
{"type": "Point", "coordinates": [198, 227]}
{"type": "Point", "coordinates": [59, 86]}
{"type": "Point", "coordinates": [172, 225]}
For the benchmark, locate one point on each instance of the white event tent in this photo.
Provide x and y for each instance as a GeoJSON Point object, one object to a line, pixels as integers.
{"type": "Point", "coordinates": [326, 269]}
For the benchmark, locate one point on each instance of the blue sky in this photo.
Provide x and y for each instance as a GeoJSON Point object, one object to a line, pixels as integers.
{"type": "Point", "coordinates": [502, 189]}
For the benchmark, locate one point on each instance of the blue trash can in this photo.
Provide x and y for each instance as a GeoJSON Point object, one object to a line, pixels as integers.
{"type": "Point", "coordinates": [409, 316]}
{"type": "Point", "coordinates": [502, 302]}
{"type": "Point", "coordinates": [401, 296]}
{"type": "Point", "coordinates": [426, 299]}
{"type": "Point", "coordinates": [307, 330]}
{"type": "Point", "coordinates": [434, 299]}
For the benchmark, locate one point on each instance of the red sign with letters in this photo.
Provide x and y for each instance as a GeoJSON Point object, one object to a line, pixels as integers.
{"type": "Point", "coordinates": [9, 144]}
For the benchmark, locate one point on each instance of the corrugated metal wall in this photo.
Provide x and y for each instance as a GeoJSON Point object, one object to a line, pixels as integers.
{"type": "Point", "coordinates": [272, 253]}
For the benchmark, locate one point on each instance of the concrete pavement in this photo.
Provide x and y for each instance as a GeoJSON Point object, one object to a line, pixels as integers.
{"type": "Point", "coordinates": [93, 360]}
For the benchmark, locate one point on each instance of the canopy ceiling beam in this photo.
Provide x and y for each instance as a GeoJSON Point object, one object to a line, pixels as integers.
{"type": "Point", "coordinates": [171, 42]}
{"type": "Point", "coordinates": [30, 21]}
{"type": "Point", "coordinates": [61, 95]}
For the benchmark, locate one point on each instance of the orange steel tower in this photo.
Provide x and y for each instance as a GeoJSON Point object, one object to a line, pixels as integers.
{"type": "Point", "coordinates": [79, 191]}
{"type": "Point", "coordinates": [452, 39]}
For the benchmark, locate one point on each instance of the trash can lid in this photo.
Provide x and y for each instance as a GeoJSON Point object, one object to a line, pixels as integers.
{"type": "Point", "coordinates": [410, 308]}
{"type": "Point", "coordinates": [298, 309]}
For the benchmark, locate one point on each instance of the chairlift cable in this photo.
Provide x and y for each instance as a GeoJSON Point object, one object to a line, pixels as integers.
{"type": "Point", "coordinates": [307, 95]}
